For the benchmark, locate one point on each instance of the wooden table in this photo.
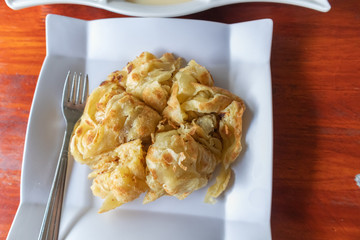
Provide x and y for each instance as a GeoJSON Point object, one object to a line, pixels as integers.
{"type": "Point", "coordinates": [316, 102]}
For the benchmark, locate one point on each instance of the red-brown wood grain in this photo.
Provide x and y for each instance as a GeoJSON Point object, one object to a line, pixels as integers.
{"type": "Point", "coordinates": [316, 103]}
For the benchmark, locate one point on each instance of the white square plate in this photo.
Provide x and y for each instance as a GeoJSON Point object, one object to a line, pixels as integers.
{"type": "Point", "coordinates": [163, 9]}
{"type": "Point", "coordinates": [238, 57]}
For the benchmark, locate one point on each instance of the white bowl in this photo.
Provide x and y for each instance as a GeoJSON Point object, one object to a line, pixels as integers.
{"type": "Point", "coordinates": [170, 10]}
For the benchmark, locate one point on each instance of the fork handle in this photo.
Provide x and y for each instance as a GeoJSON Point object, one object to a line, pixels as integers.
{"type": "Point", "coordinates": [51, 222]}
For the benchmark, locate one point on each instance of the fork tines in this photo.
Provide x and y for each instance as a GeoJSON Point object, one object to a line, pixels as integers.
{"type": "Point", "coordinates": [74, 85]}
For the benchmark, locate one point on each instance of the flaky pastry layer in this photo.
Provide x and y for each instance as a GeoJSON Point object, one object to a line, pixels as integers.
{"type": "Point", "coordinates": [158, 128]}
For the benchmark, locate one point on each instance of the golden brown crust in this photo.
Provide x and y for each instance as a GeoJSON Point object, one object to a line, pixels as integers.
{"type": "Point", "coordinates": [111, 117]}
{"type": "Point", "coordinates": [119, 176]}
{"type": "Point", "coordinates": [178, 165]}
{"type": "Point", "coordinates": [153, 127]}
{"type": "Point", "coordinates": [149, 78]}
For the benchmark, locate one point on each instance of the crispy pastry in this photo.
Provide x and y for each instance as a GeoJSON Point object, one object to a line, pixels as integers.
{"type": "Point", "coordinates": [156, 128]}
{"type": "Point", "coordinates": [119, 175]}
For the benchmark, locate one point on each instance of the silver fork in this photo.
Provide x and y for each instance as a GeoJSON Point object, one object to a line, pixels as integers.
{"type": "Point", "coordinates": [74, 97]}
